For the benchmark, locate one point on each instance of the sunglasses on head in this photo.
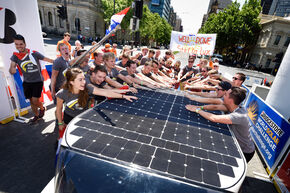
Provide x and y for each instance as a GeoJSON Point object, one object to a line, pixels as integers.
{"type": "Point", "coordinates": [235, 78]}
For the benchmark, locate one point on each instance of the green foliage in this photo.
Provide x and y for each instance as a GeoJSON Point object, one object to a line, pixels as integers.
{"type": "Point", "coordinates": [108, 8]}
{"type": "Point", "coordinates": [152, 26]}
{"type": "Point", "coordinates": [235, 27]}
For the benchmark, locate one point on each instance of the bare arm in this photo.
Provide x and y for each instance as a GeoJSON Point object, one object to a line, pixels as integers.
{"type": "Point", "coordinates": [217, 107]}
{"type": "Point", "coordinates": [145, 78]}
{"type": "Point", "coordinates": [58, 111]}
{"type": "Point", "coordinates": [112, 94]}
{"type": "Point", "coordinates": [201, 87]}
{"type": "Point", "coordinates": [205, 100]}
{"type": "Point", "coordinates": [124, 78]}
{"type": "Point", "coordinates": [119, 68]}
{"type": "Point", "coordinates": [12, 68]}
{"type": "Point", "coordinates": [204, 94]}
{"type": "Point", "coordinates": [225, 119]}
{"type": "Point", "coordinates": [142, 82]}
{"type": "Point", "coordinates": [48, 60]}
{"type": "Point", "coordinates": [113, 83]}
{"type": "Point", "coordinates": [107, 87]}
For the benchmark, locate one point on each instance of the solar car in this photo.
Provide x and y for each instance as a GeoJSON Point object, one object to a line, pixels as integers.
{"type": "Point", "coordinates": [150, 145]}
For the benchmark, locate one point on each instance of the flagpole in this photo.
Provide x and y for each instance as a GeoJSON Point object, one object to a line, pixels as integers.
{"type": "Point", "coordinates": [95, 47]}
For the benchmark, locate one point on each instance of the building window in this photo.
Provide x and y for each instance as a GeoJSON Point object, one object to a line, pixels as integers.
{"type": "Point", "coordinates": [287, 42]}
{"type": "Point", "coordinates": [77, 24]}
{"type": "Point", "coordinates": [50, 22]}
{"type": "Point", "coordinates": [277, 40]}
{"type": "Point", "coordinates": [60, 22]}
{"type": "Point", "coordinates": [155, 2]}
{"type": "Point", "coordinates": [40, 17]}
{"type": "Point", "coordinates": [268, 63]}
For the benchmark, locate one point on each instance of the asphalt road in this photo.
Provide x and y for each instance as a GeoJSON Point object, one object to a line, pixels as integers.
{"type": "Point", "coordinates": [27, 153]}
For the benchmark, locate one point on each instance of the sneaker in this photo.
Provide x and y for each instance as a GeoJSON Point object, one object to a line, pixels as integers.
{"type": "Point", "coordinates": [41, 112]}
{"type": "Point", "coordinates": [34, 119]}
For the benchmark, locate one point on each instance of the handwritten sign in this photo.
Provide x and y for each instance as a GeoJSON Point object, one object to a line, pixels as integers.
{"type": "Point", "coordinates": [199, 44]}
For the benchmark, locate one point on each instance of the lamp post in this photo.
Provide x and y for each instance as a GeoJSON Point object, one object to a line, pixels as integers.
{"type": "Point", "coordinates": [114, 6]}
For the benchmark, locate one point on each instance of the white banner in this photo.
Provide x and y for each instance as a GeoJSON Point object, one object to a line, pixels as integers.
{"type": "Point", "coordinates": [18, 17]}
{"type": "Point", "coordinates": [199, 44]}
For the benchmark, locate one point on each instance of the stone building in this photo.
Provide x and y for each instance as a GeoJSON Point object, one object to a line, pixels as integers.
{"type": "Point", "coordinates": [274, 38]}
{"type": "Point", "coordinates": [214, 7]}
{"type": "Point", "coordinates": [84, 17]}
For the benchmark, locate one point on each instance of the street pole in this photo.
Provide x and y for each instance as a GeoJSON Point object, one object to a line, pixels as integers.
{"type": "Point", "coordinates": [114, 6]}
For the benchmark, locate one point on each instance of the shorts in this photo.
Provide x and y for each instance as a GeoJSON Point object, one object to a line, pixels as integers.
{"type": "Point", "coordinates": [32, 89]}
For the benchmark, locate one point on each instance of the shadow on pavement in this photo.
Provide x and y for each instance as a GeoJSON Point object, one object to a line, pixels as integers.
{"type": "Point", "coordinates": [254, 185]}
{"type": "Point", "coordinates": [27, 154]}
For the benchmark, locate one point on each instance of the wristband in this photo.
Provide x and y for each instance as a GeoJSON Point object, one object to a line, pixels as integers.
{"type": "Point", "coordinates": [141, 83]}
{"type": "Point", "coordinates": [122, 96]}
{"type": "Point", "coordinates": [197, 110]}
{"type": "Point", "coordinates": [61, 123]}
{"type": "Point", "coordinates": [201, 107]}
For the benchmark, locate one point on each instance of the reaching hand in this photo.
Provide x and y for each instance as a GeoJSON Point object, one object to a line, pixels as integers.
{"type": "Point", "coordinates": [136, 85]}
{"type": "Point", "coordinates": [133, 90]}
{"type": "Point", "coordinates": [191, 107]}
{"type": "Point", "coordinates": [129, 98]}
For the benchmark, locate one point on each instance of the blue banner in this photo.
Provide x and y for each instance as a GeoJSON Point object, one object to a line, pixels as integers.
{"type": "Point", "coordinates": [268, 129]}
{"type": "Point", "coordinates": [19, 89]}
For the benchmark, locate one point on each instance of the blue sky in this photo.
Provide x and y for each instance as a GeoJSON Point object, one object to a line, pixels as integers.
{"type": "Point", "coordinates": [191, 12]}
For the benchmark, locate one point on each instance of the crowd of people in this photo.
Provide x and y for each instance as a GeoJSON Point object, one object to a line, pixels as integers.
{"type": "Point", "coordinates": [107, 73]}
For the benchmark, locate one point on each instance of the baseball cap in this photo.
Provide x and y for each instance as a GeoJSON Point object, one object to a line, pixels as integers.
{"type": "Point", "coordinates": [225, 85]}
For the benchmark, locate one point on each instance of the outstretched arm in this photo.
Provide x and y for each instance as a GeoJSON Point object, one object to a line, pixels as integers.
{"type": "Point", "coordinates": [225, 119]}
{"type": "Point", "coordinates": [204, 100]}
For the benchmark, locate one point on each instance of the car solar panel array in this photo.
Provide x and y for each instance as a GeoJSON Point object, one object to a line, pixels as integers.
{"type": "Point", "coordinates": [158, 134]}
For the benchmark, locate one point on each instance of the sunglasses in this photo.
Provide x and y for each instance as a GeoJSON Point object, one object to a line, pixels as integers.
{"type": "Point", "coordinates": [219, 89]}
{"type": "Point", "coordinates": [190, 61]}
{"type": "Point", "coordinates": [203, 71]}
{"type": "Point", "coordinates": [235, 78]}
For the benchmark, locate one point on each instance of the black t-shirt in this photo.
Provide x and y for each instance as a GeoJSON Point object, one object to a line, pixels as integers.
{"type": "Point", "coordinates": [140, 70]}
{"type": "Point", "coordinates": [184, 71]}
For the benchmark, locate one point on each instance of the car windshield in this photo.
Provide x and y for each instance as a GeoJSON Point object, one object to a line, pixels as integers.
{"type": "Point", "coordinates": [102, 175]}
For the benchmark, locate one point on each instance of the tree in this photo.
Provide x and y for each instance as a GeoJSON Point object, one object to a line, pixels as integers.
{"type": "Point", "coordinates": [108, 7]}
{"type": "Point", "coordinates": [153, 28]}
{"type": "Point", "coordinates": [234, 27]}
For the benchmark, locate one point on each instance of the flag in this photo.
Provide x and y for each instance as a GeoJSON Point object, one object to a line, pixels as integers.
{"type": "Point", "coordinates": [117, 19]}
